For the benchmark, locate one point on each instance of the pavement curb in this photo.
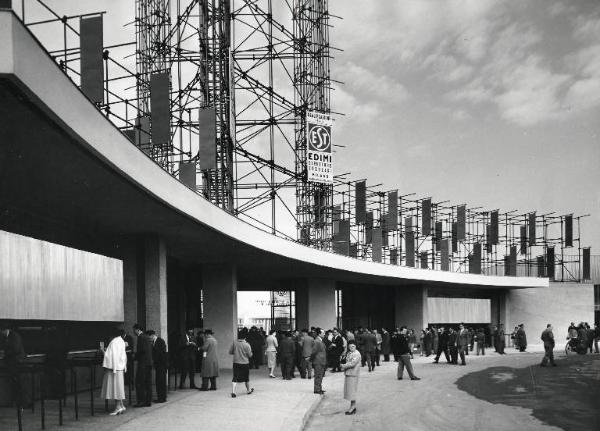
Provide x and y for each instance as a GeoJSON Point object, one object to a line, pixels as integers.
{"type": "Point", "coordinates": [315, 404]}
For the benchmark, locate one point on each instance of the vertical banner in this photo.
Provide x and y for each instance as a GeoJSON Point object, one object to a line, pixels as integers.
{"type": "Point", "coordinates": [507, 265]}
{"type": "Point", "coordinates": [475, 259]}
{"type": "Point", "coordinates": [586, 263]}
{"type": "Point", "coordinates": [410, 248]}
{"type": "Point", "coordinates": [454, 237]}
{"type": "Point", "coordinates": [336, 216]}
{"type": "Point", "coordinates": [341, 240]}
{"type": "Point", "coordinates": [569, 230]}
{"type": "Point", "coordinates": [369, 228]}
{"type": "Point", "coordinates": [532, 229]}
{"type": "Point", "coordinates": [394, 256]}
{"type": "Point", "coordinates": [392, 220]}
{"type": "Point", "coordinates": [550, 263]}
{"type": "Point", "coordinates": [424, 260]}
{"type": "Point", "coordinates": [513, 261]}
{"type": "Point", "coordinates": [438, 233]}
{"type": "Point", "coordinates": [354, 250]}
{"type": "Point", "coordinates": [319, 154]}
{"type": "Point", "coordinates": [488, 238]}
{"type": "Point", "coordinates": [541, 266]}
{"type": "Point", "coordinates": [523, 243]}
{"type": "Point", "coordinates": [377, 244]}
{"type": "Point", "coordinates": [461, 222]}
{"type": "Point", "coordinates": [494, 227]}
{"type": "Point", "coordinates": [207, 139]}
{"type": "Point", "coordinates": [426, 217]}
{"type": "Point", "coordinates": [360, 196]}
{"type": "Point", "coordinates": [91, 47]}
{"type": "Point", "coordinates": [444, 255]}
{"type": "Point", "coordinates": [160, 110]}
{"type": "Point", "coordinates": [187, 174]}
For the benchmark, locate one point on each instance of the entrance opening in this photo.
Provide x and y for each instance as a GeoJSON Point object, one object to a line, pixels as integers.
{"type": "Point", "coordinates": [267, 309]}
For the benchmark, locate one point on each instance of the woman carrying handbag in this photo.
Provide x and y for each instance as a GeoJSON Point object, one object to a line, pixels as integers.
{"type": "Point", "coordinates": [351, 368]}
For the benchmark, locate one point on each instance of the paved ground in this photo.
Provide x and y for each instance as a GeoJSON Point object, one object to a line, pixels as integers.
{"type": "Point", "coordinates": [491, 393]}
{"type": "Point", "coordinates": [494, 392]}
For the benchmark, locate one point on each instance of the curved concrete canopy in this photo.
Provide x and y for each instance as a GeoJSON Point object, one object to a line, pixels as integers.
{"type": "Point", "coordinates": [64, 156]}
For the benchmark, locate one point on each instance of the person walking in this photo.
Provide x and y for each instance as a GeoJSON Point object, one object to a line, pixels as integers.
{"type": "Point", "coordinates": [385, 345]}
{"type": "Point", "coordinates": [435, 336]}
{"type": "Point", "coordinates": [501, 340]}
{"type": "Point", "coordinates": [548, 339]}
{"type": "Point", "coordinates": [242, 352]}
{"type": "Point", "coordinates": [159, 358]}
{"type": "Point", "coordinates": [404, 355]}
{"type": "Point", "coordinates": [307, 346]}
{"type": "Point", "coordinates": [210, 361]}
{"type": "Point", "coordinates": [480, 340]}
{"type": "Point", "coordinates": [318, 358]}
{"type": "Point", "coordinates": [442, 345]}
{"type": "Point", "coordinates": [370, 346]}
{"type": "Point", "coordinates": [115, 366]}
{"type": "Point", "coordinates": [272, 346]}
{"type": "Point", "coordinates": [143, 375]}
{"type": "Point", "coordinates": [452, 346]}
{"type": "Point", "coordinates": [351, 368]}
{"type": "Point", "coordinates": [336, 349]}
{"type": "Point", "coordinates": [521, 338]}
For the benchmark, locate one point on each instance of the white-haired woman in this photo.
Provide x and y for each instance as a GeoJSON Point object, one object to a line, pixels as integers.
{"type": "Point", "coordinates": [115, 366]}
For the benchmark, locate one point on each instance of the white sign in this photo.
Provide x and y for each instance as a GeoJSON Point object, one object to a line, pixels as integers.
{"type": "Point", "coordinates": [318, 148]}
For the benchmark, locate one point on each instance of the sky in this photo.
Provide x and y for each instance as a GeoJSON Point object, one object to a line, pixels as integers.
{"type": "Point", "coordinates": [490, 103]}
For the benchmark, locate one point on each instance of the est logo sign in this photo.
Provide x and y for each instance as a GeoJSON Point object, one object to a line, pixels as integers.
{"type": "Point", "coordinates": [319, 138]}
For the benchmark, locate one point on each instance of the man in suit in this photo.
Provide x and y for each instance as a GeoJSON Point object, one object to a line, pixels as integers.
{"type": "Point", "coordinates": [462, 342]}
{"type": "Point", "coordinates": [548, 339]}
{"type": "Point", "coordinates": [187, 356]}
{"type": "Point", "coordinates": [14, 355]}
{"type": "Point", "coordinates": [336, 348]}
{"type": "Point", "coordinates": [143, 375]}
{"type": "Point", "coordinates": [159, 358]}
{"type": "Point", "coordinates": [307, 346]}
{"type": "Point", "coordinates": [370, 346]}
{"type": "Point", "coordinates": [442, 345]}
{"type": "Point", "coordinates": [404, 355]}
{"type": "Point", "coordinates": [287, 351]}
{"type": "Point", "coordinates": [452, 347]}
{"type": "Point", "coordinates": [319, 360]}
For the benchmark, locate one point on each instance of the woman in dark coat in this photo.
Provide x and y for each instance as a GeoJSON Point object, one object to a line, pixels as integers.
{"type": "Point", "coordinates": [210, 362]}
{"type": "Point", "coordinates": [521, 338]}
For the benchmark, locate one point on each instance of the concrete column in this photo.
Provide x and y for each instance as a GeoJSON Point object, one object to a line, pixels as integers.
{"type": "Point", "coordinates": [155, 275]}
{"type": "Point", "coordinates": [315, 303]}
{"type": "Point", "coordinates": [130, 285]}
{"type": "Point", "coordinates": [411, 307]}
{"type": "Point", "coordinates": [219, 283]}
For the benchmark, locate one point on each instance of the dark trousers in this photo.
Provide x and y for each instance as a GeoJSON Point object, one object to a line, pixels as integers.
{"type": "Point", "coordinates": [442, 349]}
{"type": "Point", "coordinates": [481, 348]}
{"type": "Point", "coordinates": [367, 358]}
{"type": "Point", "coordinates": [143, 384]}
{"type": "Point", "coordinates": [453, 354]}
{"type": "Point", "coordinates": [19, 395]}
{"type": "Point", "coordinates": [213, 383]}
{"type": "Point", "coordinates": [160, 376]}
{"type": "Point", "coordinates": [548, 355]}
{"type": "Point", "coordinates": [287, 366]}
{"type": "Point", "coordinates": [462, 350]}
{"type": "Point", "coordinates": [319, 374]}
{"type": "Point", "coordinates": [404, 361]}
{"type": "Point", "coordinates": [188, 368]}
{"type": "Point", "coordinates": [386, 357]}
{"type": "Point", "coordinates": [501, 346]}
{"type": "Point", "coordinates": [376, 357]}
{"type": "Point", "coordinates": [305, 368]}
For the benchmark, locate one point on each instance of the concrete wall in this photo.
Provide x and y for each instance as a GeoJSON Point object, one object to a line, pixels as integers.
{"type": "Point", "coordinates": [559, 304]}
{"type": "Point", "coordinates": [315, 303]}
{"type": "Point", "coordinates": [411, 307]}
{"type": "Point", "coordinates": [46, 281]}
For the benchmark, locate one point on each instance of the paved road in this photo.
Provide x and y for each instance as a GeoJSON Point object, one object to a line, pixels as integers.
{"type": "Point", "coordinates": [491, 393]}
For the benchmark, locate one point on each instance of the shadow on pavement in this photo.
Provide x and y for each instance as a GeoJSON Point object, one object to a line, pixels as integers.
{"type": "Point", "coordinates": [566, 396]}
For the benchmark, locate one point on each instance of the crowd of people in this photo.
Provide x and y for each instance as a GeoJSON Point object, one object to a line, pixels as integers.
{"type": "Point", "coordinates": [305, 353]}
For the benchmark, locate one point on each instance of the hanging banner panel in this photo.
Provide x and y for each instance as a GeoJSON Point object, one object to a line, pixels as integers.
{"type": "Point", "coordinates": [550, 263]}
{"type": "Point", "coordinates": [488, 239]}
{"type": "Point", "coordinates": [513, 261]}
{"type": "Point", "coordinates": [454, 237]}
{"type": "Point", "coordinates": [377, 244]}
{"type": "Point", "coordinates": [142, 133]}
{"type": "Point", "coordinates": [586, 263]}
{"type": "Point", "coordinates": [160, 111]}
{"type": "Point", "coordinates": [424, 260]}
{"type": "Point", "coordinates": [426, 217]}
{"type": "Point", "coordinates": [456, 310]}
{"type": "Point", "coordinates": [438, 232]}
{"type": "Point", "coordinates": [461, 220]}
{"type": "Point", "coordinates": [91, 45]}
{"type": "Point", "coordinates": [507, 265]}
{"type": "Point", "coordinates": [187, 174]}
{"type": "Point", "coordinates": [541, 266]}
{"type": "Point", "coordinates": [369, 228]}
{"type": "Point", "coordinates": [336, 216]}
{"type": "Point", "coordinates": [408, 224]}
{"type": "Point", "coordinates": [523, 243]}
{"type": "Point", "coordinates": [341, 241]}
{"type": "Point", "coordinates": [444, 255]}
{"type": "Point", "coordinates": [410, 249]}
{"type": "Point", "coordinates": [392, 220]}
{"type": "Point", "coordinates": [475, 259]}
{"type": "Point", "coordinates": [207, 139]}
{"type": "Point", "coordinates": [360, 195]}
{"type": "Point", "coordinates": [354, 250]}
{"type": "Point", "coordinates": [494, 227]}
{"type": "Point", "coordinates": [319, 154]}
{"type": "Point", "coordinates": [532, 229]}
{"type": "Point", "coordinates": [394, 256]}
{"type": "Point", "coordinates": [569, 231]}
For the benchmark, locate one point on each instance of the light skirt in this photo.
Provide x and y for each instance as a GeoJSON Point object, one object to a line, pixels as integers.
{"type": "Point", "coordinates": [350, 387]}
{"type": "Point", "coordinates": [113, 385]}
{"type": "Point", "coordinates": [271, 359]}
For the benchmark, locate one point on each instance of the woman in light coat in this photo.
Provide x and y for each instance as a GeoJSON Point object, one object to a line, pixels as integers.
{"type": "Point", "coordinates": [272, 346]}
{"type": "Point", "coordinates": [210, 362]}
{"type": "Point", "coordinates": [351, 371]}
{"type": "Point", "coordinates": [115, 366]}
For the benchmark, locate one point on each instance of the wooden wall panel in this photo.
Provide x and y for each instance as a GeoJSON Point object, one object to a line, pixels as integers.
{"type": "Point", "coordinates": [46, 281]}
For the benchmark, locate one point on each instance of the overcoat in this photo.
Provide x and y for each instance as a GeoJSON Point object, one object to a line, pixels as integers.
{"type": "Point", "coordinates": [210, 363]}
